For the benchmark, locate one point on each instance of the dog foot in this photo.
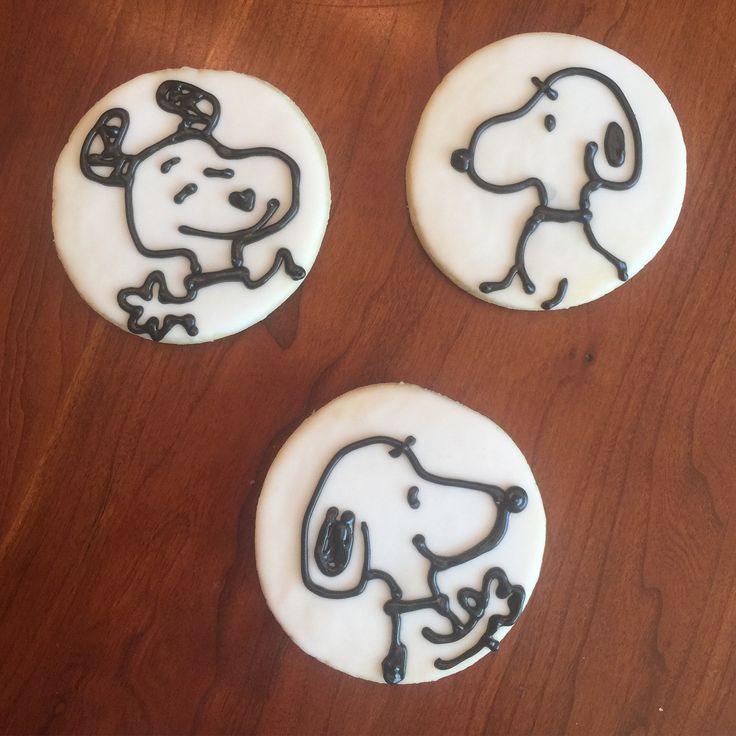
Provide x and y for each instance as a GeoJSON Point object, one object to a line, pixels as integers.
{"type": "Point", "coordinates": [297, 273]}
{"type": "Point", "coordinates": [489, 286]}
{"type": "Point", "coordinates": [558, 297]}
{"type": "Point", "coordinates": [394, 665]}
{"type": "Point", "coordinates": [283, 255]}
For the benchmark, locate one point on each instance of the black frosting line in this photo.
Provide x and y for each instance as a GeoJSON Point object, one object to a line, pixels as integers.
{"type": "Point", "coordinates": [614, 147]}
{"type": "Point", "coordinates": [199, 112]}
{"type": "Point", "coordinates": [334, 547]}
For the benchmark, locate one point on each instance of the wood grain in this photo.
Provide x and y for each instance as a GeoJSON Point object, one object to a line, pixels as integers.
{"type": "Point", "coordinates": [130, 472]}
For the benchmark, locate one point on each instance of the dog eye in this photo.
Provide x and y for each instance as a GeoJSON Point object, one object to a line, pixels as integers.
{"type": "Point", "coordinates": [166, 166]}
{"type": "Point", "coordinates": [219, 173]}
{"type": "Point", "coordinates": [550, 122]}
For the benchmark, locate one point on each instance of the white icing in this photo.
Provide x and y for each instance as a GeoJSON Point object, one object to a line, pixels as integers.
{"type": "Point", "coordinates": [471, 234]}
{"type": "Point", "coordinates": [353, 634]}
{"type": "Point", "coordinates": [92, 236]}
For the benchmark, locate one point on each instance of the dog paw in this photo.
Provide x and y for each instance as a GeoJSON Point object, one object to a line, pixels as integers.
{"type": "Point", "coordinates": [156, 327]}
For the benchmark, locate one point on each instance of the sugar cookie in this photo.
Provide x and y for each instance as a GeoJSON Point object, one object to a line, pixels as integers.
{"type": "Point", "coordinates": [546, 170]}
{"type": "Point", "coordinates": [398, 534]}
{"type": "Point", "coordinates": [188, 204]}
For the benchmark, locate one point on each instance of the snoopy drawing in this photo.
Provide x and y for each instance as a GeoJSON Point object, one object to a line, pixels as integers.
{"type": "Point", "coordinates": [331, 544]}
{"type": "Point", "coordinates": [160, 230]}
{"type": "Point", "coordinates": [557, 84]}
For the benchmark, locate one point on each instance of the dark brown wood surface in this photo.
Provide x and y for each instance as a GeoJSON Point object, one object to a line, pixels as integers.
{"type": "Point", "coordinates": [130, 472]}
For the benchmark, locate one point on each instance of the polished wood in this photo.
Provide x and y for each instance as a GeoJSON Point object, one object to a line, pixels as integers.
{"type": "Point", "coordinates": [130, 472]}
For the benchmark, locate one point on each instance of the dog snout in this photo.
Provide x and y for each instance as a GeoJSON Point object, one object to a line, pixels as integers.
{"type": "Point", "coordinates": [461, 159]}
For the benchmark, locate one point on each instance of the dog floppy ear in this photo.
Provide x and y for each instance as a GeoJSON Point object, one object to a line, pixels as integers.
{"type": "Point", "coordinates": [616, 151]}
{"type": "Point", "coordinates": [197, 108]}
{"type": "Point", "coordinates": [102, 159]}
{"type": "Point", "coordinates": [615, 147]}
{"type": "Point", "coordinates": [335, 542]}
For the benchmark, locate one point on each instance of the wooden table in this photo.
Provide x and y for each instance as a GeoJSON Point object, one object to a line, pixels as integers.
{"type": "Point", "coordinates": [130, 471]}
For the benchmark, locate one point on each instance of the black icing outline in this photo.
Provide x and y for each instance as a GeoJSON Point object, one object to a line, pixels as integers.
{"type": "Point", "coordinates": [334, 545]}
{"type": "Point", "coordinates": [462, 160]}
{"type": "Point", "coordinates": [115, 168]}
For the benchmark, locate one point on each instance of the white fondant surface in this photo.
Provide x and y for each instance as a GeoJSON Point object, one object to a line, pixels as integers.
{"type": "Point", "coordinates": [353, 634]}
{"type": "Point", "coordinates": [471, 234]}
{"type": "Point", "coordinates": [90, 229]}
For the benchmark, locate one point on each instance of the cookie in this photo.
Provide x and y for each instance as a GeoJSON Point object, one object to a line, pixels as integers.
{"type": "Point", "coordinates": [546, 171]}
{"type": "Point", "coordinates": [399, 535]}
{"type": "Point", "coordinates": [189, 204]}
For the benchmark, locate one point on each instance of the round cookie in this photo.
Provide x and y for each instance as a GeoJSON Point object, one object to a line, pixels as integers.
{"type": "Point", "coordinates": [399, 534]}
{"type": "Point", "coordinates": [546, 170]}
{"type": "Point", "coordinates": [189, 204]}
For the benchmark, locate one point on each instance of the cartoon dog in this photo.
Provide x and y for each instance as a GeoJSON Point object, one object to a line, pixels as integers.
{"type": "Point", "coordinates": [333, 548]}
{"type": "Point", "coordinates": [103, 160]}
{"type": "Point", "coordinates": [465, 160]}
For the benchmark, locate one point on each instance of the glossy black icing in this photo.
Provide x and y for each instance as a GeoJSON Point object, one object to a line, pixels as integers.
{"type": "Point", "coordinates": [218, 173]}
{"type": "Point", "coordinates": [193, 283]}
{"type": "Point", "coordinates": [558, 297]}
{"type": "Point", "coordinates": [186, 191]}
{"type": "Point", "coordinates": [245, 200]}
{"type": "Point", "coordinates": [462, 160]}
{"type": "Point", "coordinates": [199, 112]}
{"type": "Point", "coordinates": [167, 165]}
{"type": "Point", "coordinates": [614, 144]}
{"type": "Point", "coordinates": [334, 545]}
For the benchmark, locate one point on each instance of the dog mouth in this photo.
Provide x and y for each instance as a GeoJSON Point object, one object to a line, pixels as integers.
{"type": "Point", "coordinates": [245, 201]}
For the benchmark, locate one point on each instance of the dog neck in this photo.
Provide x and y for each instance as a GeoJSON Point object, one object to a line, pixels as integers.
{"type": "Point", "coordinates": [543, 213]}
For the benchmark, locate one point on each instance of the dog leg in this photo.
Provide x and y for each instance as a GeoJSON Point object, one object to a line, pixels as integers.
{"type": "Point", "coordinates": [519, 267]}
{"type": "Point", "coordinates": [558, 297]}
{"type": "Point", "coordinates": [283, 256]}
{"type": "Point", "coordinates": [620, 266]}
{"type": "Point", "coordinates": [489, 286]}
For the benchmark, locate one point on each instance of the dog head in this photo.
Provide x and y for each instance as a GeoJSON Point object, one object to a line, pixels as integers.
{"type": "Point", "coordinates": [416, 506]}
{"type": "Point", "coordinates": [576, 129]}
{"type": "Point", "coordinates": [188, 183]}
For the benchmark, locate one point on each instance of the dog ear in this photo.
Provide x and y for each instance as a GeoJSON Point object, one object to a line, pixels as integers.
{"type": "Point", "coordinates": [616, 148]}
{"type": "Point", "coordinates": [197, 108]}
{"type": "Point", "coordinates": [614, 145]}
{"type": "Point", "coordinates": [335, 542]}
{"type": "Point", "coordinates": [102, 159]}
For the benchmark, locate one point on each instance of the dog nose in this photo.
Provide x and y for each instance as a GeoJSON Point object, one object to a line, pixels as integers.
{"type": "Point", "coordinates": [244, 200]}
{"type": "Point", "coordinates": [461, 159]}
